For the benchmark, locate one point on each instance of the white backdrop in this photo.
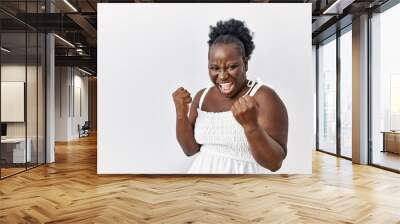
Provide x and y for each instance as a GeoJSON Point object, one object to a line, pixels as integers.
{"type": "Point", "coordinates": [146, 51]}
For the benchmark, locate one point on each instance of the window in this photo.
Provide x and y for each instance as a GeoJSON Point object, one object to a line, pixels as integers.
{"type": "Point", "coordinates": [327, 96]}
{"type": "Point", "coordinates": [385, 89]}
{"type": "Point", "coordinates": [346, 93]}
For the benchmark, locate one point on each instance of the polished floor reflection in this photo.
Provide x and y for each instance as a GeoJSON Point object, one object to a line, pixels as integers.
{"type": "Point", "coordinates": [387, 159]}
{"type": "Point", "coordinates": [70, 191]}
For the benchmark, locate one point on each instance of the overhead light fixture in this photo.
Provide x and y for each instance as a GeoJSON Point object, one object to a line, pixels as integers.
{"type": "Point", "coordinates": [70, 5]}
{"type": "Point", "coordinates": [5, 50]}
{"type": "Point", "coordinates": [338, 6]}
{"type": "Point", "coordinates": [84, 71]}
{"type": "Point", "coordinates": [80, 51]}
{"type": "Point", "coordinates": [64, 40]}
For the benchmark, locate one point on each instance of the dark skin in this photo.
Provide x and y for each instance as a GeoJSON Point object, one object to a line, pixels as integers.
{"type": "Point", "coordinates": [263, 116]}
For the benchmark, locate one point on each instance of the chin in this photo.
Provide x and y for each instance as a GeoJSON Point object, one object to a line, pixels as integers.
{"type": "Point", "coordinates": [230, 94]}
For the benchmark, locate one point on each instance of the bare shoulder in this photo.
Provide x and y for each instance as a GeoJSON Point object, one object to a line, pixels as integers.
{"type": "Point", "coordinates": [267, 97]}
{"type": "Point", "coordinates": [273, 114]}
{"type": "Point", "coordinates": [197, 97]}
{"type": "Point", "coordinates": [194, 105]}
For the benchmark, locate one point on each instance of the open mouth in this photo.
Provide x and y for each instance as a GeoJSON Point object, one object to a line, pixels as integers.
{"type": "Point", "coordinates": [226, 88]}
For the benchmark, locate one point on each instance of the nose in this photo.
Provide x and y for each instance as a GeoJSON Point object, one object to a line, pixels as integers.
{"type": "Point", "coordinates": [223, 74]}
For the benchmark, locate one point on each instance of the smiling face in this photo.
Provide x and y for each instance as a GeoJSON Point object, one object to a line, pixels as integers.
{"type": "Point", "coordinates": [227, 69]}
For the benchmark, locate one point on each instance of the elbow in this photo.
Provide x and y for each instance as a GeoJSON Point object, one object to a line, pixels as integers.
{"type": "Point", "coordinates": [275, 167]}
{"type": "Point", "coordinates": [191, 152]}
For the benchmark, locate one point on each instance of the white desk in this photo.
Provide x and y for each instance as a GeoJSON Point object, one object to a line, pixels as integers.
{"type": "Point", "coordinates": [19, 149]}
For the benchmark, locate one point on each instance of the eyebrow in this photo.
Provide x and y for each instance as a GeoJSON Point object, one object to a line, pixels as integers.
{"type": "Point", "coordinates": [229, 62]}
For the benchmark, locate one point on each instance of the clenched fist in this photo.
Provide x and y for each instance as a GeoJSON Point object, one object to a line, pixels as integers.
{"type": "Point", "coordinates": [245, 111]}
{"type": "Point", "coordinates": [182, 99]}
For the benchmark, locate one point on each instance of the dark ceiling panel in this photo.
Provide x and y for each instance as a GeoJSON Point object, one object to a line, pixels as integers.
{"type": "Point", "coordinates": [84, 22]}
{"type": "Point", "coordinates": [49, 22]}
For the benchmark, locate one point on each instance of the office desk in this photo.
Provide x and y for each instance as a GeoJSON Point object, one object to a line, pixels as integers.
{"type": "Point", "coordinates": [13, 150]}
{"type": "Point", "coordinates": [391, 141]}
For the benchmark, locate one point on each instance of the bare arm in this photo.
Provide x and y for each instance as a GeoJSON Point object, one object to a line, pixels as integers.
{"type": "Point", "coordinates": [265, 122]}
{"type": "Point", "coordinates": [184, 122]}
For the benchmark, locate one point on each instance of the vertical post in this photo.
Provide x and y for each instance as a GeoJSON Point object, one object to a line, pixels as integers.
{"type": "Point", "coordinates": [360, 90]}
{"type": "Point", "coordinates": [369, 78]}
{"type": "Point", "coordinates": [37, 89]}
{"type": "Point", "coordinates": [338, 76]}
{"type": "Point", "coordinates": [0, 99]}
{"type": "Point", "coordinates": [50, 92]}
{"type": "Point", "coordinates": [317, 96]}
{"type": "Point", "coordinates": [26, 87]}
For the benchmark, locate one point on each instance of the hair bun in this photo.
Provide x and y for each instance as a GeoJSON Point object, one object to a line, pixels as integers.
{"type": "Point", "coordinates": [234, 28]}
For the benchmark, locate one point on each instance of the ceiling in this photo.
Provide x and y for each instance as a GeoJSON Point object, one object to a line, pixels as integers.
{"type": "Point", "coordinates": [76, 22]}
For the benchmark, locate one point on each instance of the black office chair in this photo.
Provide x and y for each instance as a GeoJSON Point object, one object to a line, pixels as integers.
{"type": "Point", "coordinates": [84, 130]}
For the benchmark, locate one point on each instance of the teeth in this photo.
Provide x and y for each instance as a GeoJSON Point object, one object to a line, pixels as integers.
{"type": "Point", "coordinates": [226, 86]}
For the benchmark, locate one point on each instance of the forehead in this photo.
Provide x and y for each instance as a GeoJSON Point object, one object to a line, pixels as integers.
{"type": "Point", "coordinates": [222, 51]}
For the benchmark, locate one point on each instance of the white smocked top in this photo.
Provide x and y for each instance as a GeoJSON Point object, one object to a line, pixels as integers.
{"type": "Point", "coordinates": [224, 147]}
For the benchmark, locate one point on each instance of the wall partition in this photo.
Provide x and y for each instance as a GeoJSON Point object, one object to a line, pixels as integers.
{"type": "Point", "coordinates": [22, 88]}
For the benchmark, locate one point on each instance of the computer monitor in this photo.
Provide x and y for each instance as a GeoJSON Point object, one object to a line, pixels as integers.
{"type": "Point", "coordinates": [3, 129]}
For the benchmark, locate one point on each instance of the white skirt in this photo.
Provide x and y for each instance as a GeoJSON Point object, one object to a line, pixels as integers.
{"type": "Point", "coordinates": [208, 162]}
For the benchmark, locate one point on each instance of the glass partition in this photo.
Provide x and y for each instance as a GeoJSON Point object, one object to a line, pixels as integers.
{"type": "Point", "coordinates": [346, 93]}
{"type": "Point", "coordinates": [34, 51]}
{"type": "Point", "coordinates": [14, 153]}
{"type": "Point", "coordinates": [22, 77]}
{"type": "Point", "coordinates": [32, 95]}
{"type": "Point", "coordinates": [327, 96]}
{"type": "Point", "coordinates": [385, 89]}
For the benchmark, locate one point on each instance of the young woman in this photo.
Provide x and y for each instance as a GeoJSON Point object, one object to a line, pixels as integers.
{"type": "Point", "coordinates": [235, 126]}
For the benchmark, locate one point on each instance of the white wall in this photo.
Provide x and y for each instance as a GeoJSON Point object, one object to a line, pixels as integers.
{"type": "Point", "coordinates": [61, 103]}
{"type": "Point", "coordinates": [68, 81]}
{"type": "Point", "coordinates": [146, 51]}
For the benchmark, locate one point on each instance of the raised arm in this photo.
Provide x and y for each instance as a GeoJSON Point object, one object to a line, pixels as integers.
{"type": "Point", "coordinates": [185, 120]}
{"type": "Point", "coordinates": [265, 122]}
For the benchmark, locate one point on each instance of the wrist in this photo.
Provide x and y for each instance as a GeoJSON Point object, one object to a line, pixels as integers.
{"type": "Point", "coordinates": [251, 128]}
{"type": "Point", "coordinates": [182, 117]}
